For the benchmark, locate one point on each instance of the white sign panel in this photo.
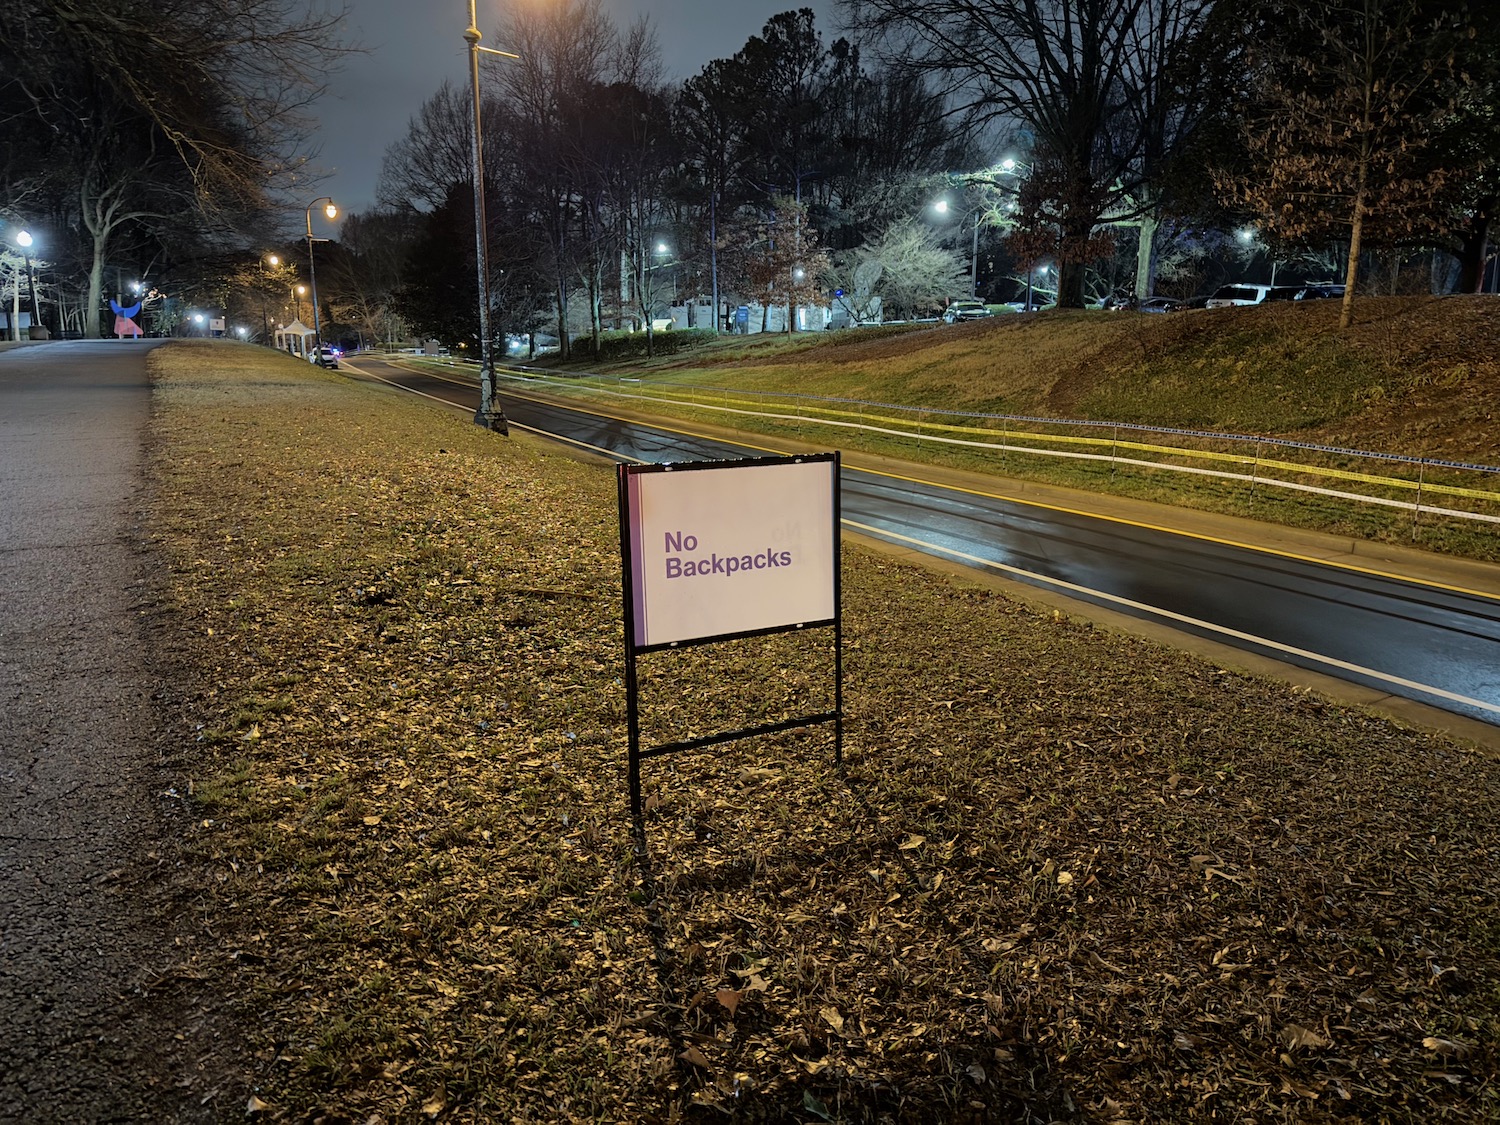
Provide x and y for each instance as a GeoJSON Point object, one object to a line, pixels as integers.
{"type": "Point", "coordinates": [717, 551]}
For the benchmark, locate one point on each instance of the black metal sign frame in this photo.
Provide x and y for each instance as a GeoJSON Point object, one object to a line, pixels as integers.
{"type": "Point", "coordinates": [633, 650]}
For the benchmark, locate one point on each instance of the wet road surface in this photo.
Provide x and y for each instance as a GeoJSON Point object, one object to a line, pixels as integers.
{"type": "Point", "coordinates": [1409, 638]}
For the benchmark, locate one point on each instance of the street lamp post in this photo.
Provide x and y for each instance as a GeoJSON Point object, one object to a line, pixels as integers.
{"type": "Point", "coordinates": [332, 212]}
{"type": "Point", "coordinates": [1017, 168]}
{"type": "Point", "coordinates": [24, 240]}
{"type": "Point", "coordinates": [297, 291]}
{"type": "Point", "coordinates": [489, 415]}
{"type": "Point", "coordinates": [942, 208]}
{"type": "Point", "coordinates": [1247, 238]}
{"type": "Point", "coordinates": [15, 307]}
{"type": "Point", "coordinates": [265, 320]}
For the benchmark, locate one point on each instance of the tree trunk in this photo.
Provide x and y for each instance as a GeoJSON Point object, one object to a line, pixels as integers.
{"type": "Point", "coordinates": [96, 287]}
{"type": "Point", "coordinates": [596, 302]}
{"type": "Point", "coordinates": [1145, 255]}
{"type": "Point", "coordinates": [1474, 251]}
{"type": "Point", "coordinates": [1070, 285]}
{"type": "Point", "coordinates": [1351, 271]}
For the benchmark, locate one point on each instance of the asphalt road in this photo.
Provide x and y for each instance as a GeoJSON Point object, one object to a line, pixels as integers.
{"type": "Point", "coordinates": [1416, 639]}
{"type": "Point", "coordinates": [87, 1030]}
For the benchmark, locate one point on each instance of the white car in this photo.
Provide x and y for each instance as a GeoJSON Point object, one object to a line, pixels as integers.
{"type": "Point", "coordinates": [964, 309]}
{"type": "Point", "coordinates": [1239, 293]}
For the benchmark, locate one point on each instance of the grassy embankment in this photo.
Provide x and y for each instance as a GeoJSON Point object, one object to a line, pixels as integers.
{"type": "Point", "coordinates": [1417, 377]}
{"type": "Point", "coordinates": [1066, 873]}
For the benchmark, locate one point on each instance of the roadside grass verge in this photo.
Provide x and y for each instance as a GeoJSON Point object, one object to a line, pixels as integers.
{"type": "Point", "coordinates": [1066, 873]}
{"type": "Point", "coordinates": [1414, 377]}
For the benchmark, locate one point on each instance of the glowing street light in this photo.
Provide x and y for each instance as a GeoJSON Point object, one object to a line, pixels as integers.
{"type": "Point", "coordinates": [332, 212]}
{"type": "Point", "coordinates": [1247, 238]}
{"type": "Point", "coordinates": [25, 241]}
{"type": "Point", "coordinates": [265, 318]}
{"type": "Point", "coordinates": [942, 207]}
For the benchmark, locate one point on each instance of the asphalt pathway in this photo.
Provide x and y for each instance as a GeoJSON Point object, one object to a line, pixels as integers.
{"type": "Point", "coordinates": [93, 1025]}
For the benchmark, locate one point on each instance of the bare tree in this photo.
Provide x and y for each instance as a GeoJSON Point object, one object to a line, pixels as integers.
{"type": "Point", "coordinates": [566, 51]}
{"type": "Point", "coordinates": [420, 168]}
{"type": "Point", "coordinates": [164, 113]}
{"type": "Point", "coordinates": [1351, 103]}
{"type": "Point", "coordinates": [1083, 80]}
{"type": "Point", "coordinates": [906, 268]}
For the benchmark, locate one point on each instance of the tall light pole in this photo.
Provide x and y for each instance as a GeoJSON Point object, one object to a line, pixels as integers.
{"type": "Point", "coordinates": [265, 320]}
{"type": "Point", "coordinates": [713, 251]}
{"type": "Point", "coordinates": [332, 212]}
{"type": "Point", "coordinates": [25, 241]}
{"type": "Point", "coordinates": [942, 207]}
{"type": "Point", "coordinates": [489, 415]}
{"type": "Point", "coordinates": [1247, 238]}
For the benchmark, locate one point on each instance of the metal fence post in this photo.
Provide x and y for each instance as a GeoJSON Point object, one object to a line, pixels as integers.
{"type": "Point", "coordinates": [1416, 512]}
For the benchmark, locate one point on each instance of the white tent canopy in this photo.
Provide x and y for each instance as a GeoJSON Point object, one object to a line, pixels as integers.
{"type": "Point", "coordinates": [295, 339]}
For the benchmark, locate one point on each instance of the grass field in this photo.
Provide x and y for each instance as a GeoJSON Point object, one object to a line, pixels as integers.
{"type": "Point", "coordinates": [1413, 377]}
{"type": "Point", "coordinates": [1065, 875]}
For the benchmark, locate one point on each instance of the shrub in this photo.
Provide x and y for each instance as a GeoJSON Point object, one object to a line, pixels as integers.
{"type": "Point", "coordinates": [626, 345]}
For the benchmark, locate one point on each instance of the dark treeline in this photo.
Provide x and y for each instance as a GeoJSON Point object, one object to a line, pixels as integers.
{"type": "Point", "coordinates": [1079, 148]}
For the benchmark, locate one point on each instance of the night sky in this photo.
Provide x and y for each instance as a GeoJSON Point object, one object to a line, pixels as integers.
{"type": "Point", "coordinates": [412, 45]}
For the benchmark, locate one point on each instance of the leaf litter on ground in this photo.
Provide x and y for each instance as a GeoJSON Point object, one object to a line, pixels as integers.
{"type": "Point", "coordinates": [1066, 873]}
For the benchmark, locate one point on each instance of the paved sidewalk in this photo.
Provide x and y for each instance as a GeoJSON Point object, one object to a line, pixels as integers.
{"type": "Point", "coordinates": [87, 1023]}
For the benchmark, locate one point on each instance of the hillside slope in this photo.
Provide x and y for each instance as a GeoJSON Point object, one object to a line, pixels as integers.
{"type": "Point", "coordinates": [1418, 376]}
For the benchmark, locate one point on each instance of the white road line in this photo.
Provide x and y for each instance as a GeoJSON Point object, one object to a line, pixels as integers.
{"type": "Point", "coordinates": [1074, 588]}
{"type": "Point", "coordinates": [1155, 611]}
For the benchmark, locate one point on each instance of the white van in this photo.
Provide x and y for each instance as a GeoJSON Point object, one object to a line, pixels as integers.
{"type": "Point", "coordinates": [1239, 293]}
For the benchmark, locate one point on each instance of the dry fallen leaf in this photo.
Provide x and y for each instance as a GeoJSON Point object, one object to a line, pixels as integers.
{"type": "Point", "coordinates": [1294, 1036]}
{"type": "Point", "coordinates": [833, 1019]}
{"type": "Point", "coordinates": [255, 1105]}
{"type": "Point", "coordinates": [1446, 1046]}
{"type": "Point", "coordinates": [730, 998]}
{"type": "Point", "coordinates": [694, 1057]}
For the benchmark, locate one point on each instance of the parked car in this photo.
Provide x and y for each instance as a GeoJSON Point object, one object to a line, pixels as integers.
{"type": "Point", "coordinates": [1321, 289]}
{"type": "Point", "coordinates": [1306, 292]}
{"type": "Point", "coordinates": [1239, 293]}
{"type": "Point", "coordinates": [1159, 305]}
{"type": "Point", "coordinates": [325, 357]}
{"type": "Point", "coordinates": [964, 309]}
